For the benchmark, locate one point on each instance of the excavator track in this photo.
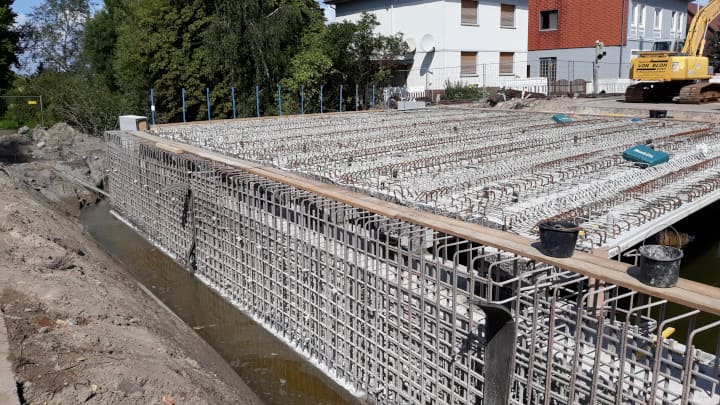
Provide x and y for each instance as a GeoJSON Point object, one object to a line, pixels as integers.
{"type": "Point", "coordinates": [698, 93]}
{"type": "Point", "coordinates": [655, 92]}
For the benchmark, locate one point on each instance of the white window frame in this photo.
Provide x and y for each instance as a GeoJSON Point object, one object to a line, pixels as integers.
{"type": "Point", "coordinates": [675, 19]}
{"type": "Point", "coordinates": [643, 16]}
{"type": "Point", "coordinates": [657, 22]}
{"type": "Point", "coordinates": [635, 15]}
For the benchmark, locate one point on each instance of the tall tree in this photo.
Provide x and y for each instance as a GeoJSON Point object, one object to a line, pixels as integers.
{"type": "Point", "coordinates": [100, 41]}
{"type": "Point", "coordinates": [161, 45]}
{"type": "Point", "coordinates": [52, 36]}
{"type": "Point", "coordinates": [253, 42]}
{"type": "Point", "coordinates": [9, 43]}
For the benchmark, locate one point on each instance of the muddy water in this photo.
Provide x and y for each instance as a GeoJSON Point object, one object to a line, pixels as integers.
{"type": "Point", "coordinates": [274, 371]}
{"type": "Point", "coordinates": [701, 263]}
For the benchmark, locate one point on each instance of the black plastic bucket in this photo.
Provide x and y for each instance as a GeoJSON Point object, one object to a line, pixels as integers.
{"type": "Point", "coordinates": [660, 265]}
{"type": "Point", "coordinates": [558, 238]}
{"type": "Point", "coordinates": [658, 113]}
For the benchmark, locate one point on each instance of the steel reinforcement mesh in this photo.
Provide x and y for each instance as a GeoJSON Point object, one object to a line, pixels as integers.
{"type": "Point", "coordinates": [392, 310]}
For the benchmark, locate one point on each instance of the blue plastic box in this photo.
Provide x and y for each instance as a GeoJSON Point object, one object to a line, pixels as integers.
{"type": "Point", "coordinates": [562, 119]}
{"type": "Point", "coordinates": [646, 155]}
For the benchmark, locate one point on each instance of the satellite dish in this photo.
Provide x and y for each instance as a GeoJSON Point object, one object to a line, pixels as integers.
{"type": "Point", "coordinates": [427, 43]}
{"type": "Point", "coordinates": [412, 46]}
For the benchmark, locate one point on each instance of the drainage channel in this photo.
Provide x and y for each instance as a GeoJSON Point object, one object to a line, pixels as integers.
{"type": "Point", "coordinates": [273, 370]}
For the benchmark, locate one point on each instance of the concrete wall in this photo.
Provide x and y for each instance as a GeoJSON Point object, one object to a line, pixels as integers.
{"type": "Point", "coordinates": [441, 20]}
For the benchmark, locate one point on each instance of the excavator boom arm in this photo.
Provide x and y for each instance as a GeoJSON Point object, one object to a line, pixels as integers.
{"type": "Point", "coordinates": [695, 41]}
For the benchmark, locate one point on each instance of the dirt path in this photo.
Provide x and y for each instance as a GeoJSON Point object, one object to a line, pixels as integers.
{"type": "Point", "coordinates": [80, 329]}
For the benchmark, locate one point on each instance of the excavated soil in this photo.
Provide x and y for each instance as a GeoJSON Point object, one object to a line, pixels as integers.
{"type": "Point", "coordinates": [81, 329]}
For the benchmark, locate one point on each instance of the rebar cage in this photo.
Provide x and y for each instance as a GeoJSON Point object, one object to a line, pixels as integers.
{"type": "Point", "coordinates": [392, 310]}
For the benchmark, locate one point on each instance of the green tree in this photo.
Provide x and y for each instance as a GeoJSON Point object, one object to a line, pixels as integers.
{"type": "Point", "coordinates": [254, 41]}
{"type": "Point", "coordinates": [99, 42]}
{"type": "Point", "coordinates": [52, 35]}
{"type": "Point", "coordinates": [161, 45]}
{"type": "Point", "coordinates": [9, 43]}
{"type": "Point", "coordinates": [714, 51]}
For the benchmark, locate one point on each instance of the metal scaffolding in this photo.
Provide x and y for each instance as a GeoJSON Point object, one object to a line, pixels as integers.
{"type": "Point", "coordinates": [395, 311]}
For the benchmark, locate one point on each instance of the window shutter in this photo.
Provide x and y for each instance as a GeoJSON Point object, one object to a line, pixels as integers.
{"type": "Point", "coordinates": [506, 63]}
{"type": "Point", "coordinates": [507, 15]}
{"type": "Point", "coordinates": [468, 62]}
{"type": "Point", "coordinates": [469, 12]}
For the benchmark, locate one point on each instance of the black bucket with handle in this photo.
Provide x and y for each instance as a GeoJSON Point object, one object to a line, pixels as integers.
{"type": "Point", "coordinates": [660, 265]}
{"type": "Point", "coordinates": [558, 238]}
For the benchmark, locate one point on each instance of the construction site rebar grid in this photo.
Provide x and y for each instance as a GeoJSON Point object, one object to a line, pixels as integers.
{"type": "Point", "coordinates": [507, 170]}
{"type": "Point", "coordinates": [393, 310]}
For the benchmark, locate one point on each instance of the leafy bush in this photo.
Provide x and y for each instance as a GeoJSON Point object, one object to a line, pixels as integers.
{"type": "Point", "coordinates": [462, 91]}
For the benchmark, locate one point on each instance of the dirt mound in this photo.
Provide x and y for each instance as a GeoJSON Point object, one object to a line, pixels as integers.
{"type": "Point", "coordinates": [61, 163]}
{"type": "Point", "coordinates": [80, 328]}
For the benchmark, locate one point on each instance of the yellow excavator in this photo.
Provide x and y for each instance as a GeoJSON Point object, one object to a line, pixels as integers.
{"type": "Point", "coordinates": [681, 77]}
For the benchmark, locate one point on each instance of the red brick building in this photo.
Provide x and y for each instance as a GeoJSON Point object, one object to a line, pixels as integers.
{"type": "Point", "coordinates": [562, 34]}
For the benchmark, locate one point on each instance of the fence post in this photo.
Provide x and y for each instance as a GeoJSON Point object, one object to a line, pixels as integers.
{"type": "Point", "coordinates": [232, 91]}
{"type": "Point", "coordinates": [484, 83]}
{"type": "Point", "coordinates": [207, 96]}
{"type": "Point", "coordinates": [184, 106]}
{"type": "Point", "coordinates": [341, 97]}
{"type": "Point", "coordinates": [280, 99]}
{"type": "Point", "coordinates": [357, 102]}
{"type": "Point", "coordinates": [257, 100]}
{"type": "Point", "coordinates": [373, 97]}
{"type": "Point", "coordinates": [321, 98]}
{"type": "Point", "coordinates": [302, 99]}
{"type": "Point", "coordinates": [152, 105]}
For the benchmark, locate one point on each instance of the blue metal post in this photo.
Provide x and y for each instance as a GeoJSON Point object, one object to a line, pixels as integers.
{"type": "Point", "coordinates": [341, 97]}
{"type": "Point", "coordinates": [152, 105]}
{"type": "Point", "coordinates": [302, 99]}
{"type": "Point", "coordinates": [357, 101]}
{"type": "Point", "coordinates": [321, 98]}
{"type": "Point", "coordinates": [280, 99]}
{"type": "Point", "coordinates": [372, 101]}
{"type": "Point", "coordinates": [184, 105]}
{"type": "Point", "coordinates": [207, 96]}
{"type": "Point", "coordinates": [232, 90]}
{"type": "Point", "coordinates": [257, 100]}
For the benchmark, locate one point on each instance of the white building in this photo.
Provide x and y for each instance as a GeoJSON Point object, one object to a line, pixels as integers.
{"type": "Point", "coordinates": [477, 42]}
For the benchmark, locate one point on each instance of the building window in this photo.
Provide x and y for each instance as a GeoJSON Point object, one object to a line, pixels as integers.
{"type": "Point", "coordinates": [548, 68]}
{"type": "Point", "coordinates": [661, 46]}
{"type": "Point", "coordinates": [634, 16]}
{"type": "Point", "coordinates": [642, 16]}
{"type": "Point", "coordinates": [549, 20]}
{"type": "Point", "coordinates": [657, 22]}
{"type": "Point", "coordinates": [506, 64]}
{"type": "Point", "coordinates": [675, 21]}
{"type": "Point", "coordinates": [468, 63]}
{"type": "Point", "coordinates": [469, 12]}
{"type": "Point", "coordinates": [507, 15]}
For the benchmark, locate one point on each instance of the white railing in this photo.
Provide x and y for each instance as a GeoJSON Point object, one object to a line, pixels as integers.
{"type": "Point", "coordinates": [528, 84]}
{"type": "Point", "coordinates": [610, 86]}
{"type": "Point", "coordinates": [404, 93]}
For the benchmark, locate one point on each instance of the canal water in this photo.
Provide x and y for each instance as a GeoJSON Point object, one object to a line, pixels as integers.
{"type": "Point", "coordinates": [273, 370]}
{"type": "Point", "coordinates": [701, 263]}
{"type": "Point", "coordinates": [277, 374]}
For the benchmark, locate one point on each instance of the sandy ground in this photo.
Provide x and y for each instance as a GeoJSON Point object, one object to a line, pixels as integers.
{"type": "Point", "coordinates": [80, 328]}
